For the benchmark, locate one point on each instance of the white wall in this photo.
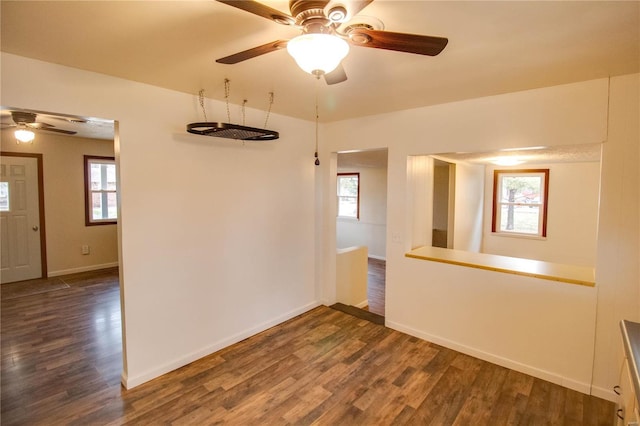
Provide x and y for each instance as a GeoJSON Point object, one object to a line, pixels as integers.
{"type": "Point", "coordinates": [617, 263]}
{"type": "Point", "coordinates": [217, 236]}
{"type": "Point", "coordinates": [572, 218]}
{"type": "Point", "coordinates": [66, 233]}
{"type": "Point", "coordinates": [419, 195]}
{"type": "Point", "coordinates": [541, 327]}
{"type": "Point", "coordinates": [371, 229]}
{"type": "Point", "coordinates": [467, 228]}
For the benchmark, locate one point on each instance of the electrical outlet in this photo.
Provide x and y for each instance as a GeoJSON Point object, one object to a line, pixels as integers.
{"type": "Point", "coordinates": [86, 249]}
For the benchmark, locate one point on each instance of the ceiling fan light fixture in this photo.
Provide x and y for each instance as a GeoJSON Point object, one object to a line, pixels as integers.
{"type": "Point", "coordinates": [318, 53]}
{"type": "Point", "coordinates": [24, 136]}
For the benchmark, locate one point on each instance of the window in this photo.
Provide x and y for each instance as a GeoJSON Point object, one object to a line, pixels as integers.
{"type": "Point", "coordinates": [520, 201]}
{"type": "Point", "coordinates": [4, 196]}
{"type": "Point", "coordinates": [101, 207]}
{"type": "Point", "coordinates": [349, 195]}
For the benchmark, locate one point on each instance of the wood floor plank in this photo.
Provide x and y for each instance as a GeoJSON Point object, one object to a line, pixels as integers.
{"type": "Point", "coordinates": [483, 395]}
{"type": "Point", "coordinates": [376, 285]}
{"type": "Point", "coordinates": [322, 367]}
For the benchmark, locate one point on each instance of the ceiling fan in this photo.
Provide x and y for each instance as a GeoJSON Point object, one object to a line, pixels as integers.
{"type": "Point", "coordinates": [28, 120]}
{"type": "Point", "coordinates": [25, 123]}
{"type": "Point", "coordinates": [324, 42]}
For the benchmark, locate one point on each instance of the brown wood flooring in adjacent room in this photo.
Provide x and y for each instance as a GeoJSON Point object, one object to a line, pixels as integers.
{"type": "Point", "coordinates": [61, 364]}
{"type": "Point", "coordinates": [376, 274]}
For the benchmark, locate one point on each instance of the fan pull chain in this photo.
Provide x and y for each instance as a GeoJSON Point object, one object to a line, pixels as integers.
{"type": "Point", "coordinates": [201, 99]}
{"type": "Point", "coordinates": [317, 162]}
{"type": "Point", "coordinates": [226, 97]}
{"type": "Point", "coordinates": [244, 102]}
{"type": "Point", "coordinates": [269, 110]}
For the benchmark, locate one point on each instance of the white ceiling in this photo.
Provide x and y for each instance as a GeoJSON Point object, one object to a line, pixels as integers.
{"type": "Point", "coordinates": [530, 155]}
{"type": "Point", "coordinates": [373, 158]}
{"type": "Point", "coordinates": [494, 47]}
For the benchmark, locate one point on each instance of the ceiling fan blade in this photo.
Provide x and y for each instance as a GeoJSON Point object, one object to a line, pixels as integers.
{"type": "Point", "coordinates": [252, 53]}
{"type": "Point", "coordinates": [261, 10]}
{"type": "Point", "coordinates": [357, 6]}
{"type": "Point", "coordinates": [39, 125]}
{"type": "Point", "coordinates": [52, 129]}
{"type": "Point", "coordinates": [336, 76]}
{"type": "Point", "coordinates": [401, 42]}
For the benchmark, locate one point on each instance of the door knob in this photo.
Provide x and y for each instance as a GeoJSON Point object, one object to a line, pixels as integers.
{"type": "Point", "coordinates": [35, 228]}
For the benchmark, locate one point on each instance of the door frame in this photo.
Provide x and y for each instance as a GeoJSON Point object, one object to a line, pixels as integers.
{"type": "Point", "coordinates": [43, 231]}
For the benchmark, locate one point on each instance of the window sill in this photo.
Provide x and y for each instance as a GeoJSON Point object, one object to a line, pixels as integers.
{"type": "Point", "coordinates": [572, 274]}
{"type": "Point", "coordinates": [106, 222]}
{"type": "Point", "coordinates": [519, 236]}
{"type": "Point", "coordinates": [347, 219]}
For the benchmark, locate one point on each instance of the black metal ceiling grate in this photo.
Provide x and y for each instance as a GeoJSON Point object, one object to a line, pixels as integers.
{"type": "Point", "coordinates": [232, 131]}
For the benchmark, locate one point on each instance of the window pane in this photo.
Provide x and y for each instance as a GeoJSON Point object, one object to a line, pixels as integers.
{"type": "Point", "coordinates": [348, 186]}
{"type": "Point", "coordinates": [96, 177]}
{"type": "Point", "coordinates": [521, 189]}
{"type": "Point", "coordinates": [112, 205]}
{"type": "Point", "coordinates": [348, 206]}
{"type": "Point", "coordinates": [111, 177]}
{"type": "Point", "coordinates": [96, 206]}
{"type": "Point", "coordinates": [521, 219]}
{"type": "Point", "coordinates": [4, 196]}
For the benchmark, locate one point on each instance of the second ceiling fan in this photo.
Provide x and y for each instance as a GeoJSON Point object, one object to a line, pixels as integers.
{"type": "Point", "coordinates": [323, 44]}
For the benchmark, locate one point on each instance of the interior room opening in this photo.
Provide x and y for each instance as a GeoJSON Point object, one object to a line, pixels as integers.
{"type": "Point", "coordinates": [361, 227]}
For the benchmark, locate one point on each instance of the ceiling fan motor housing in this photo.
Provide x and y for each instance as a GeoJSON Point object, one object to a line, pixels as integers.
{"type": "Point", "coordinates": [306, 10]}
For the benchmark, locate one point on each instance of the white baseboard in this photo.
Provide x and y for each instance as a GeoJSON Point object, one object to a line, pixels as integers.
{"type": "Point", "coordinates": [603, 393]}
{"type": "Point", "coordinates": [495, 359]}
{"type": "Point", "coordinates": [373, 256]}
{"type": "Point", "coordinates": [131, 382]}
{"type": "Point", "coordinates": [362, 304]}
{"type": "Point", "coordinates": [81, 269]}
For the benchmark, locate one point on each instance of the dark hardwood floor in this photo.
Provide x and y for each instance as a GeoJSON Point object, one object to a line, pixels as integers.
{"type": "Point", "coordinates": [376, 274]}
{"type": "Point", "coordinates": [61, 364]}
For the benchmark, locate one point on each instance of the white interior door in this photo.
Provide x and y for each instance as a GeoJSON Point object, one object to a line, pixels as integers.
{"type": "Point", "coordinates": [19, 220]}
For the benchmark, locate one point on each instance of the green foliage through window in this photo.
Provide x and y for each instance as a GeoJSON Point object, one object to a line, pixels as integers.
{"type": "Point", "coordinates": [520, 201]}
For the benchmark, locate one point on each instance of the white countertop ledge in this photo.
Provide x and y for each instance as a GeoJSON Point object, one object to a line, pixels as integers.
{"type": "Point", "coordinates": [572, 274]}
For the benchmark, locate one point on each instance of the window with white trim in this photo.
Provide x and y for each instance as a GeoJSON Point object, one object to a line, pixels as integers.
{"type": "Point", "coordinates": [520, 202]}
{"type": "Point", "coordinates": [101, 203]}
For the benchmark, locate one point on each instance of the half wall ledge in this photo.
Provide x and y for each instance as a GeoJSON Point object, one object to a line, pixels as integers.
{"type": "Point", "coordinates": [572, 274]}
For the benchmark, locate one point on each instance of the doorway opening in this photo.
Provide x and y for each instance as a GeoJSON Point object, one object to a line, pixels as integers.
{"type": "Point", "coordinates": [361, 228]}
{"type": "Point", "coordinates": [76, 253]}
{"type": "Point", "coordinates": [444, 183]}
{"type": "Point", "coordinates": [43, 196]}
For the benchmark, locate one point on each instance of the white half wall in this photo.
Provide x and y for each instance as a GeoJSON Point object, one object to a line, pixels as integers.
{"type": "Point", "coordinates": [218, 237]}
